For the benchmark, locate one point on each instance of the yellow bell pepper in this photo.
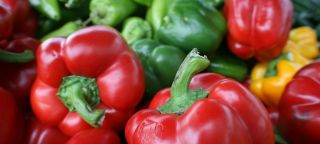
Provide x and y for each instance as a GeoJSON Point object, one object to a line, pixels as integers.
{"type": "Point", "coordinates": [298, 52]}
{"type": "Point", "coordinates": [305, 40]}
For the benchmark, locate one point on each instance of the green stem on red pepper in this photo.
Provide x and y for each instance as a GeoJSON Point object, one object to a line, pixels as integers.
{"type": "Point", "coordinates": [11, 57]}
{"type": "Point", "coordinates": [81, 94]}
{"type": "Point", "coordinates": [181, 97]}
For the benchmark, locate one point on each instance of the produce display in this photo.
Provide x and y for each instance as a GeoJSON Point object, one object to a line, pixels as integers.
{"type": "Point", "coordinates": [159, 71]}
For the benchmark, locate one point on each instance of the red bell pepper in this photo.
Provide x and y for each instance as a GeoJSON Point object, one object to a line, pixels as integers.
{"type": "Point", "coordinates": [299, 108]}
{"type": "Point", "coordinates": [258, 28]}
{"type": "Point", "coordinates": [24, 19]}
{"type": "Point", "coordinates": [39, 133]}
{"type": "Point", "coordinates": [17, 17]}
{"type": "Point", "coordinates": [18, 78]}
{"type": "Point", "coordinates": [91, 79]}
{"type": "Point", "coordinates": [11, 123]}
{"type": "Point", "coordinates": [230, 113]}
{"type": "Point", "coordinates": [6, 21]}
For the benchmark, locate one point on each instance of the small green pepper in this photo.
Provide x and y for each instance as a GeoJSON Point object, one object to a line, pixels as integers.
{"type": "Point", "coordinates": [229, 66]}
{"type": "Point", "coordinates": [160, 63]}
{"type": "Point", "coordinates": [63, 31]}
{"type": "Point", "coordinates": [110, 12]}
{"type": "Point", "coordinates": [157, 12]}
{"type": "Point", "coordinates": [136, 28]}
{"type": "Point", "coordinates": [49, 8]}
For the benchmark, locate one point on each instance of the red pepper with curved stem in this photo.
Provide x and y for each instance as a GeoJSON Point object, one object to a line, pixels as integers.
{"type": "Point", "coordinates": [91, 79]}
{"type": "Point", "coordinates": [258, 28]}
{"type": "Point", "coordinates": [18, 78]}
{"type": "Point", "coordinates": [299, 108]}
{"type": "Point", "coordinates": [214, 110]}
{"type": "Point", "coordinates": [11, 123]}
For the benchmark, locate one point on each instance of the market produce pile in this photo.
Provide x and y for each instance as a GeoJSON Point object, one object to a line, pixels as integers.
{"type": "Point", "coordinates": [159, 71]}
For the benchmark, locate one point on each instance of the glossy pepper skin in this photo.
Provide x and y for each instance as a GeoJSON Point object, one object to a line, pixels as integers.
{"type": "Point", "coordinates": [187, 24]}
{"type": "Point", "coordinates": [96, 66]}
{"type": "Point", "coordinates": [258, 28]}
{"type": "Point", "coordinates": [229, 66]}
{"type": "Point", "coordinates": [18, 78]}
{"type": "Point", "coordinates": [299, 107]}
{"type": "Point", "coordinates": [11, 122]}
{"type": "Point", "coordinates": [39, 133]}
{"type": "Point", "coordinates": [49, 8]}
{"type": "Point", "coordinates": [110, 12]}
{"type": "Point", "coordinates": [160, 63]}
{"type": "Point", "coordinates": [203, 119]}
{"type": "Point", "coordinates": [269, 79]}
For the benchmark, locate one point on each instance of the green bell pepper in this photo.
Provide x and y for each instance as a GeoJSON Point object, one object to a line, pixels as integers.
{"type": "Point", "coordinates": [136, 28]}
{"type": "Point", "coordinates": [49, 8]}
{"type": "Point", "coordinates": [229, 66]}
{"type": "Point", "coordinates": [187, 24]}
{"type": "Point", "coordinates": [110, 12]}
{"type": "Point", "coordinates": [160, 63]}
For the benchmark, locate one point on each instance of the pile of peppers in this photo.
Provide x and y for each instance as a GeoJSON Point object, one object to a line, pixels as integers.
{"type": "Point", "coordinates": [159, 71]}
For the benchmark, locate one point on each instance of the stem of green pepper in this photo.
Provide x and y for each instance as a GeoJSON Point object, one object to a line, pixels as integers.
{"type": "Point", "coordinates": [11, 57]}
{"type": "Point", "coordinates": [272, 66]}
{"type": "Point", "coordinates": [81, 94]}
{"type": "Point", "coordinates": [181, 97]}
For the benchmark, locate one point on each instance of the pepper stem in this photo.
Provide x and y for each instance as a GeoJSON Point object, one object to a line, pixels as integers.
{"type": "Point", "coordinates": [181, 97]}
{"type": "Point", "coordinates": [11, 57]}
{"type": "Point", "coordinates": [272, 66]}
{"type": "Point", "coordinates": [81, 94]}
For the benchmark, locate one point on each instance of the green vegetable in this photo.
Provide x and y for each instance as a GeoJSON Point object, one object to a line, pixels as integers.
{"type": "Point", "coordinates": [49, 8]}
{"type": "Point", "coordinates": [136, 28]}
{"type": "Point", "coordinates": [160, 63]}
{"type": "Point", "coordinates": [73, 3]}
{"type": "Point", "coordinates": [212, 3]}
{"type": "Point", "coordinates": [63, 31]}
{"type": "Point", "coordinates": [188, 24]}
{"type": "Point", "coordinates": [110, 12]}
{"type": "Point", "coordinates": [147, 3]}
{"type": "Point", "coordinates": [229, 66]}
{"type": "Point", "coordinates": [157, 12]}
{"type": "Point", "coordinates": [45, 26]}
